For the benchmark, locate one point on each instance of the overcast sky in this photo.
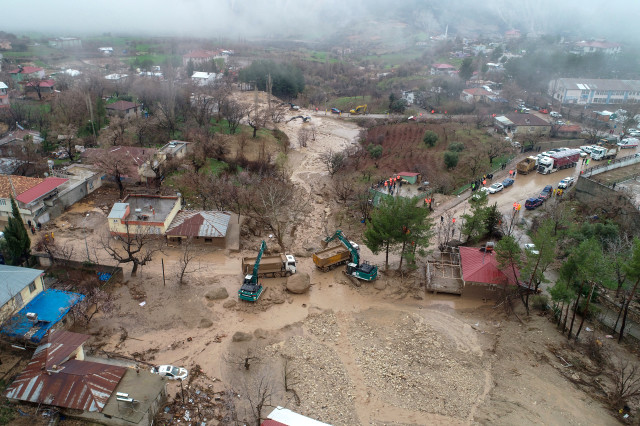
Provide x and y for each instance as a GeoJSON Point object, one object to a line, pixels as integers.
{"type": "Point", "coordinates": [616, 19]}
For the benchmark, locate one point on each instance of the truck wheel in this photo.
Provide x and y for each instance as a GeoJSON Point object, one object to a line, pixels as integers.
{"type": "Point", "coordinates": [288, 274]}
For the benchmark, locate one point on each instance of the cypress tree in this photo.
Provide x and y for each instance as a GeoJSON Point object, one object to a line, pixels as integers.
{"type": "Point", "coordinates": [18, 244]}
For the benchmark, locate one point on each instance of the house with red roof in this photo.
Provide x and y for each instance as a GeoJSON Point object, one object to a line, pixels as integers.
{"type": "Point", "coordinates": [198, 57]}
{"type": "Point", "coordinates": [124, 109]}
{"type": "Point", "coordinates": [38, 88]}
{"type": "Point", "coordinates": [512, 34]}
{"type": "Point", "coordinates": [480, 266]}
{"type": "Point", "coordinates": [443, 69]}
{"type": "Point", "coordinates": [25, 73]}
{"type": "Point", "coordinates": [598, 46]}
{"type": "Point", "coordinates": [34, 196]}
{"type": "Point", "coordinates": [94, 390]}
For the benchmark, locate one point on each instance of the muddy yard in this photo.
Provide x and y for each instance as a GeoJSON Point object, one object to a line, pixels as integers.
{"type": "Point", "coordinates": [387, 353]}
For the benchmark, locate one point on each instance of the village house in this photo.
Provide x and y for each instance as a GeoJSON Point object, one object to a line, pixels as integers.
{"type": "Point", "coordinates": [135, 162]}
{"type": "Point", "coordinates": [512, 34]}
{"type": "Point", "coordinates": [65, 43]}
{"type": "Point", "coordinates": [475, 95]}
{"type": "Point", "coordinates": [39, 88]}
{"type": "Point", "coordinates": [586, 91]}
{"type": "Point", "coordinates": [4, 95]}
{"type": "Point", "coordinates": [201, 78]}
{"type": "Point", "coordinates": [35, 197]}
{"type": "Point", "coordinates": [124, 109]}
{"type": "Point", "coordinates": [25, 73]}
{"type": "Point", "coordinates": [209, 227]}
{"type": "Point", "coordinates": [523, 124]}
{"type": "Point", "coordinates": [443, 69]}
{"type": "Point", "coordinates": [105, 50]}
{"type": "Point", "coordinates": [173, 150]}
{"type": "Point", "coordinates": [198, 57]}
{"type": "Point", "coordinates": [19, 136]}
{"type": "Point", "coordinates": [597, 46]}
{"type": "Point", "coordinates": [17, 287]}
{"type": "Point", "coordinates": [90, 389]}
{"type": "Point", "coordinates": [143, 214]}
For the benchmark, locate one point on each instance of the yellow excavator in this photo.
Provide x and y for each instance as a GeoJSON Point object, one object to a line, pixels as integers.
{"type": "Point", "coordinates": [360, 109]}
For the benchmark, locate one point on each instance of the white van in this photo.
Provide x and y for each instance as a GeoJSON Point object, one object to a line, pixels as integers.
{"type": "Point", "coordinates": [628, 143]}
{"type": "Point", "coordinates": [555, 114]}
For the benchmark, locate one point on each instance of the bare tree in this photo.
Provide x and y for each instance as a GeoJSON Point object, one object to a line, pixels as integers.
{"type": "Point", "coordinates": [56, 252]}
{"type": "Point", "coordinates": [95, 301]}
{"type": "Point", "coordinates": [626, 383]}
{"type": "Point", "coordinates": [279, 206]}
{"type": "Point", "coordinates": [114, 164]}
{"type": "Point", "coordinates": [333, 161]}
{"type": "Point", "coordinates": [256, 119]}
{"type": "Point", "coordinates": [233, 112]}
{"type": "Point", "coordinates": [304, 136]}
{"type": "Point", "coordinates": [116, 132]}
{"type": "Point", "coordinates": [344, 188]}
{"type": "Point", "coordinates": [136, 245]}
{"type": "Point", "coordinates": [188, 255]}
{"type": "Point", "coordinates": [259, 395]}
{"type": "Point", "coordinates": [66, 136]}
{"type": "Point", "coordinates": [495, 148]}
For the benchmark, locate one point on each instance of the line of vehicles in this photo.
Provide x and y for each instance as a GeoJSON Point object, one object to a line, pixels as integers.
{"type": "Point", "coordinates": [360, 109]}
{"type": "Point", "coordinates": [284, 265]}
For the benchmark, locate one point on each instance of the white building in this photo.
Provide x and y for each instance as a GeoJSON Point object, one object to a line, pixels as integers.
{"type": "Point", "coordinates": [203, 78]}
{"type": "Point", "coordinates": [586, 91]}
{"type": "Point", "coordinates": [595, 46]}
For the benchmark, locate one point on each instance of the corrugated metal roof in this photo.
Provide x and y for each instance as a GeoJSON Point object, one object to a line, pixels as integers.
{"type": "Point", "coordinates": [481, 267]}
{"type": "Point", "coordinates": [290, 418]}
{"type": "Point", "coordinates": [190, 223]}
{"type": "Point", "coordinates": [118, 210]}
{"type": "Point", "coordinates": [81, 385]}
{"type": "Point", "coordinates": [3, 86]}
{"type": "Point", "coordinates": [13, 279]}
{"type": "Point", "coordinates": [41, 189]}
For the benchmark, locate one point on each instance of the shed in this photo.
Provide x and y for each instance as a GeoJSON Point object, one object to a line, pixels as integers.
{"type": "Point", "coordinates": [410, 177]}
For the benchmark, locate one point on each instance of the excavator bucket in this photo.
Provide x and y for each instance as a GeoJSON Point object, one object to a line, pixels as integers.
{"type": "Point", "coordinates": [324, 243]}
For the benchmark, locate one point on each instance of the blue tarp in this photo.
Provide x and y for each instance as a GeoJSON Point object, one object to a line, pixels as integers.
{"type": "Point", "coordinates": [50, 306]}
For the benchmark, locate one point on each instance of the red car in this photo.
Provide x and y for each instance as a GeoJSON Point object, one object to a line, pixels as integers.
{"type": "Point", "coordinates": [544, 110]}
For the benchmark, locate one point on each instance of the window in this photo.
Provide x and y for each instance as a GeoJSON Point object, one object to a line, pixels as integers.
{"type": "Point", "coordinates": [18, 300]}
{"type": "Point", "coordinates": [3, 202]}
{"type": "Point", "coordinates": [32, 287]}
{"type": "Point", "coordinates": [208, 240]}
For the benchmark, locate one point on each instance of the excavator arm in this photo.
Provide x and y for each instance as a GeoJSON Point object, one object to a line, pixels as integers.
{"type": "Point", "coordinates": [355, 257]}
{"type": "Point", "coordinates": [256, 266]}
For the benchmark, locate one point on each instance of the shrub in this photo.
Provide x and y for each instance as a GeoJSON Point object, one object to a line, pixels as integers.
{"type": "Point", "coordinates": [430, 138]}
{"type": "Point", "coordinates": [451, 159]}
{"type": "Point", "coordinates": [456, 146]}
{"type": "Point", "coordinates": [540, 302]}
{"type": "Point", "coordinates": [375, 151]}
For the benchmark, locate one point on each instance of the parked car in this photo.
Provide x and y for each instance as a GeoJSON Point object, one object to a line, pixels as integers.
{"type": "Point", "coordinates": [555, 114]}
{"type": "Point", "coordinates": [533, 203]}
{"type": "Point", "coordinates": [544, 111]}
{"type": "Point", "coordinates": [531, 248]}
{"type": "Point", "coordinates": [335, 111]}
{"type": "Point", "coordinates": [546, 192]}
{"type": "Point", "coordinates": [507, 182]}
{"type": "Point", "coordinates": [566, 182]}
{"type": "Point", "coordinates": [634, 133]}
{"type": "Point", "coordinates": [496, 187]}
{"type": "Point", "coordinates": [171, 372]}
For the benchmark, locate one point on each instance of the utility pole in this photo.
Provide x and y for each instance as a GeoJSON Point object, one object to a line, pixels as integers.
{"type": "Point", "coordinates": [269, 94]}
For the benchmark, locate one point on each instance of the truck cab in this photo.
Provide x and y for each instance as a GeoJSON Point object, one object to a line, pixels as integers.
{"type": "Point", "coordinates": [291, 264]}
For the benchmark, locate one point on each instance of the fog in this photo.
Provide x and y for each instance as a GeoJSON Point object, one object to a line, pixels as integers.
{"type": "Point", "coordinates": [319, 19]}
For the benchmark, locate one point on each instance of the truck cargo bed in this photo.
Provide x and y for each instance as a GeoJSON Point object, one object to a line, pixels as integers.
{"type": "Point", "coordinates": [332, 256]}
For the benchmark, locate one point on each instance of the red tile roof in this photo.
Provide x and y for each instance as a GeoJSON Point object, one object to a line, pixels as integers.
{"type": "Point", "coordinates": [122, 105]}
{"type": "Point", "coordinates": [202, 54]}
{"type": "Point", "coordinates": [52, 378]}
{"type": "Point", "coordinates": [270, 422]}
{"type": "Point", "coordinates": [41, 189]}
{"type": "Point", "coordinates": [569, 128]}
{"type": "Point", "coordinates": [408, 174]}
{"type": "Point", "coordinates": [42, 83]}
{"type": "Point", "coordinates": [19, 184]}
{"type": "Point", "coordinates": [206, 224]}
{"type": "Point", "coordinates": [26, 70]}
{"type": "Point", "coordinates": [481, 267]}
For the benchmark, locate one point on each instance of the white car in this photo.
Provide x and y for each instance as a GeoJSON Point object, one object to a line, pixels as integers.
{"type": "Point", "coordinates": [555, 114]}
{"type": "Point", "coordinates": [531, 248]}
{"type": "Point", "coordinates": [496, 187]}
{"type": "Point", "coordinates": [586, 148]}
{"type": "Point", "coordinates": [566, 182]}
{"type": "Point", "coordinates": [171, 372]}
{"type": "Point", "coordinates": [634, 133]}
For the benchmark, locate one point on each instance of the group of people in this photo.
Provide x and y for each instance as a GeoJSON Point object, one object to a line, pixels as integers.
{"type": "Point", "coordinates": [390, 184]}
{"type": "Point", "coordinates": [32, 227]}
{"type": "Point", "coordinates": [558, 192]}
{"type": "Point", "coordinates": [475, 185]}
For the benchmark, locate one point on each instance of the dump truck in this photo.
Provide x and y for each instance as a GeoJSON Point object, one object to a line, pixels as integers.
{"type": "Point", "coordinates": [527, 165]}
{"type": "Point", "coordinates": [606, 149]}
{"type": "Point", "coordinates": [360, 109]}
{"type": "Point", "coordinates": [279, 265]}
{"type": "Point", "coordinates": [558, 161]}
{"type": "Point", "coordinates": [332, 257]}
{"type": "Point", "coordinates": [348, 253]}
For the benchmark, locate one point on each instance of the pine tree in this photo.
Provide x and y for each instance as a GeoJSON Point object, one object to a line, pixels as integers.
{"type": "Point", "coordinates": [18, 244]}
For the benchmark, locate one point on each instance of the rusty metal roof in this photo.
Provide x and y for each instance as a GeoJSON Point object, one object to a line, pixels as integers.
{"type": "Point", "coordinates": [54, 379]}
{"type": "Point", "coordinates": [191, 223]}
